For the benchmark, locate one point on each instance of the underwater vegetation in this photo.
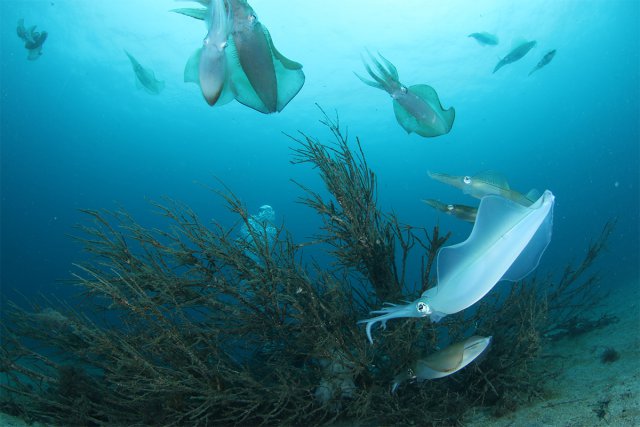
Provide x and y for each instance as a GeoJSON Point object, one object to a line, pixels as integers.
{"type": "Point", "coordinates": [238, 59]}
{"type": "Point", "coordinates": [33, 40]}
{"type": "Point", "coordinates": [199, 323]}
{"type": "Point", "coordinates": [417, 108]}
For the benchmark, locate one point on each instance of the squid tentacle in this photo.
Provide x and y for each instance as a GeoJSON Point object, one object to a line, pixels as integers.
{"type": "Point", "coordinates": [417, 308]}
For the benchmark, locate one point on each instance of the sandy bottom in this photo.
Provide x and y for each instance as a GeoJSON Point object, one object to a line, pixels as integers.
{"type": "Point", "coordinates": [585, 391]}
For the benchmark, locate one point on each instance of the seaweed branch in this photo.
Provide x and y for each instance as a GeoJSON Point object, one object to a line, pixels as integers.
{"type": "Point", "coordinates": [361, 236]}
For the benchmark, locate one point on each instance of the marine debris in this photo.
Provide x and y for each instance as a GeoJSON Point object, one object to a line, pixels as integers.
{"type": "Point", "coordinates": [33, 40]}
{"type": "Point", "coordinates": [145, 78]}
{"type": "Point", "coordinates": [189, 322]}
{"type": "Point", "coordinates": [238, 59]}
{"type": "Point", "coordinates": [417, 108]}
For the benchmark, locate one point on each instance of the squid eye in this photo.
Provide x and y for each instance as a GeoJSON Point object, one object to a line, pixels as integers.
{"type": "Point", "coordinates": [466, 180]}
{"type": "Point", "coordinates": [253, 18]}
{"type": "Point", "coordinates": [403, 89]}
{"type": "Point", "coordinates": [423, 308]}
{"type": "Point", "coordinates": [449, 207]}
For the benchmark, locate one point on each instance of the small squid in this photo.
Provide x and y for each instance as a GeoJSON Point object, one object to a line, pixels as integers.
{"type": "Point", "coordinates": [463, 212]}
{"type": "Point", "coordinates": [486, 183]}
{"type": "Point", "coordinates": [417, 108]}
{"type": "Point", "coordinates": [444, 362]}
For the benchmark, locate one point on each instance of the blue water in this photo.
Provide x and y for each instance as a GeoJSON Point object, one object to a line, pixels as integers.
{"type": "Point", "coordinates": [77, 133]}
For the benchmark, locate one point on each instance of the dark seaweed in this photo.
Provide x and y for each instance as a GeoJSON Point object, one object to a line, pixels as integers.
{"type": "Point", "coordinates": [178, 326]}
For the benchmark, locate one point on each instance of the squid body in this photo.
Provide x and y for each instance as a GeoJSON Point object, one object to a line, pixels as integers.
{"type": "Point", "coordinates": [506, 243]}
{"type": "Point", "coordinates": [209, 63]}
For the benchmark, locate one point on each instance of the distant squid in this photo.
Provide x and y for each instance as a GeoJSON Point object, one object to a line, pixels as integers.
{"type": "Point", "coordinates": [444, 362]}
{"type": "Point", "coordinates": [515, 54]}
{"type": "Point", "coordinates": [417, 108]}
{"type": "Point", "coordinates": [506, 243]}
{"type": "Point", "coordinates": [463, 212]}
{"type": "Point", "coordinates": [544, 61]}
{"type": "Point", "coordinates": [33, 40]}
{"type": "Point", "coordinates": [484, 38]}
{"type": "Point", "coordinates": [145, 78]}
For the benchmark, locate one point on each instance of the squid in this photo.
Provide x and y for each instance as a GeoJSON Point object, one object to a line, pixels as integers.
{"type": "Point", "coordinates": [544, 61]}
{"type": "Point", "coordinates": [417, 108]}
{"type": "Point", "coordinates": [257, 74]}
{"type": "Point", "coordinates": [516, 54]}
{"type": "Point", "coordinates": [145, 78]}
{"type": "Point", "coordinates": [444, 362]}
{"type": "Point", "coordinates": [463, 212]}
{"type": "Point", "coordinates": [484, 184]}
{"type": "Point", "coordinates": [485, 38]}
{"type": "Point", "coordinates": [506, 243]}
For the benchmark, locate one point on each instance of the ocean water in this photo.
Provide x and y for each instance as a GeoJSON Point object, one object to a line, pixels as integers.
{"type": "Point", "coordinates": [77, 133]}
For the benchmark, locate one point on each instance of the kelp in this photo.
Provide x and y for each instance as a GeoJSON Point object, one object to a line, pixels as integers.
{"type": "Point", "coordinates": [177, 325]}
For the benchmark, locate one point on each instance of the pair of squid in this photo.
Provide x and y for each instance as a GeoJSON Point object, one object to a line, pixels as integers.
{"type": "Point", "coordinates": [506, 243]}
{"type": "Point", "coordinates": [520, 51]}
{"type": "Point", "coordinates": [511, 232]}
{"type": "Point", "coordinates": [478, 186]}
{"type": "Point", "coordinates": [237, 59]}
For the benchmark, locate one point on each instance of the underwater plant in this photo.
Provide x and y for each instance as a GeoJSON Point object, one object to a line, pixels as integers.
{"type": "Point", "coordinates": [201, 324]}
